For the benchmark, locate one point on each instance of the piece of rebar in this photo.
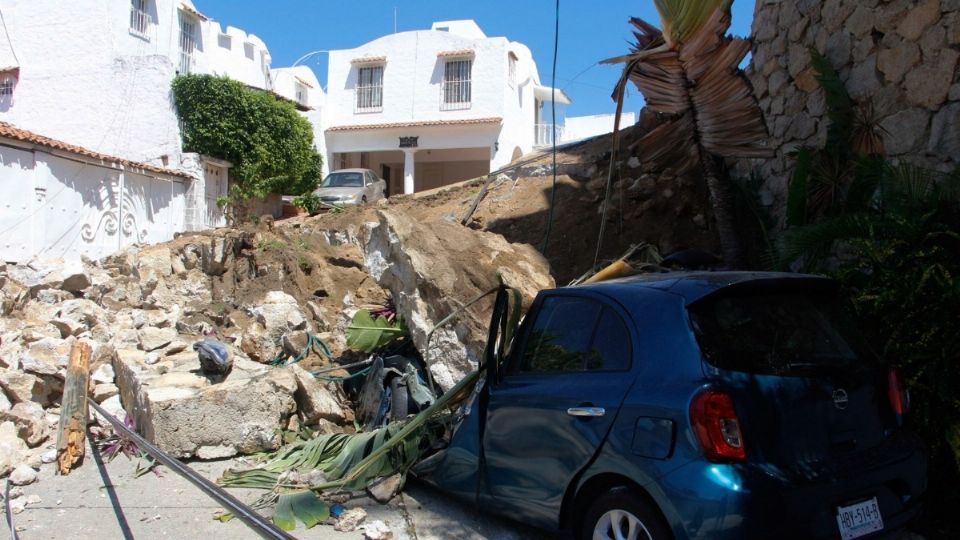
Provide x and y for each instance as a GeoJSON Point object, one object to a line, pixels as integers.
{"type": "Point", "coordinates": [244, 513]}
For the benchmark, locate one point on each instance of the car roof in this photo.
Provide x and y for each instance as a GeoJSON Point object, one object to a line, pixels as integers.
{"type": "Point", "coordinates": [350, 171]}
{"type": "Point", "coordinates": [695, 285]}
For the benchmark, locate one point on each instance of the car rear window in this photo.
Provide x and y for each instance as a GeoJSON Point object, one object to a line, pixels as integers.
{"type": "Point", "coordinates": [778, 334]}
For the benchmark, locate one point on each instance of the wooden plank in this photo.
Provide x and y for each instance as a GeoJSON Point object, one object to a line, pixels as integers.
{"type": "Point", "coordinates": [72, 434]}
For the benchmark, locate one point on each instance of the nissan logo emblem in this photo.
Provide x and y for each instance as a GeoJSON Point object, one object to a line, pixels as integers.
{"type": "Point", "coordinates": [840, 398]}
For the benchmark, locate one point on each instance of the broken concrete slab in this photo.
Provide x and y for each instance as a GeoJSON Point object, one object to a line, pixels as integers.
{"type": "Point", "coordinates": [153, 338]}
{"type": "Point", "coordinates": [318, 401]}
{"type": "Point", "coordinates": [187, 414]}
{"type": "Point", "coordinates": [431, 270]}
{"type": "Point", "coordinates": [13, 451]}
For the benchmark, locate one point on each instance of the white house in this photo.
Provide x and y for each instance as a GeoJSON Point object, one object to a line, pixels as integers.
{"type": "Point", "coordinates": [430, 107]}
{"type": "Point", "coordinates": [95, 75]}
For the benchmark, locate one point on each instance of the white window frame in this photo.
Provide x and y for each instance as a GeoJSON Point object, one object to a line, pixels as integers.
{"type": "Point", "coordinates": [456, 92]}
{"type": "Point", "coordinates": [8, 83]}
{"type": "Point", "coordinates": [512, 70]}
{"type": "Point", "coordinates": [369, 92]}
{"type": "Point", "coordinates": [248, 50]}
{"type": "Point", "coordinates": [140, 18]}
{"type": "Point", "coordinates": [188, 43]}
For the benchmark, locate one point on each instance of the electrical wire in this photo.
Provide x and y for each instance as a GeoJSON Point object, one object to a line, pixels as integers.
{"type": "Point", "coordinates": [553, 113]}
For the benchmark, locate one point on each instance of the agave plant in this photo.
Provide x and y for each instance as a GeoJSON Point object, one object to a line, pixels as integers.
{"type": "Point", "coordinates": [689, 72]}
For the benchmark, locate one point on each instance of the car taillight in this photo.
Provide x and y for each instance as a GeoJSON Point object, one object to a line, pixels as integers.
{"type": "Point", "coordinates": [899, 395]}
{"type": "Point", "coordinates": [717, 427]}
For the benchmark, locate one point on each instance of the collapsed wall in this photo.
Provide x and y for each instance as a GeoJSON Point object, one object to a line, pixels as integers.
{"type": "Point", "coordinates": [899, 56]}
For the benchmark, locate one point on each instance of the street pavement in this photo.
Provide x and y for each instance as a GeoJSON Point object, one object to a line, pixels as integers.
{"type": "Point", "coordinates": [108, 502]}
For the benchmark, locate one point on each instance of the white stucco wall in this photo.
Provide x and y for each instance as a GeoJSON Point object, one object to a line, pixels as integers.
{"type": "Point", "coordinates": [412, 81]}
{"type": "Point", "coordinates": [86, 79]}
{"type": "Point", "coordinates": [583, 127]}
{"type": "Point", "coordinates": [56, 205]}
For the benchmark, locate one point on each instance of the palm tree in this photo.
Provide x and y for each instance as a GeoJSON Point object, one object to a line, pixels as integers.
{"type": "Point", "coordinates": [689, 72]}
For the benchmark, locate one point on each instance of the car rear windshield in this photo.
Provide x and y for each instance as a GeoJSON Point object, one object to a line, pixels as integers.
{"type": "Point", "coordinates": [343, 180]}
{"type": "Point", "coordinates": [777, 334]}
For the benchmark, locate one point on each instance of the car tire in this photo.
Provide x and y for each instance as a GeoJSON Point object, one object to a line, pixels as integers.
{"type": "Point", "coordinates": [621, 508]}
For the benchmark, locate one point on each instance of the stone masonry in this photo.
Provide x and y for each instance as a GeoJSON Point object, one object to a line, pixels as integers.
{"type": "Point", "coordinates": [898, 55]}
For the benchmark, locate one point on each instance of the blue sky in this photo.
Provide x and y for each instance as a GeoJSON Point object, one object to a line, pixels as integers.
{"type": "Point", "coordinates": [590, 30]}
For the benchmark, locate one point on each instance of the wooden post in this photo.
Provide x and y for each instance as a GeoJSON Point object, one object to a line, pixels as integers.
{"type": "Point", "coordinates": [72, 434]}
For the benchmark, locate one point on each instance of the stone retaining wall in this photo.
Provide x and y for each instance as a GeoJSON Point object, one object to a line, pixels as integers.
{"type": "Point", "coordinates": [899, 55]}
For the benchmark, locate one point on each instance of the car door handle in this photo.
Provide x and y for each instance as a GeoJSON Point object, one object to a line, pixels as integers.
{"type": "Point", "coordinates": [586, 411]}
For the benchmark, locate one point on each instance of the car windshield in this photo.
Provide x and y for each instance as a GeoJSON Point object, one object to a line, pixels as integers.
{"type": "Point", "coordinates": [777, 334]}
{"type": "Point", "coordinates": [351, 179]}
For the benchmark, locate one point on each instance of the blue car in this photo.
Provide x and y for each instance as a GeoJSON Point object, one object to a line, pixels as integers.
{"type": "Point", "coordinates": [688, 406]}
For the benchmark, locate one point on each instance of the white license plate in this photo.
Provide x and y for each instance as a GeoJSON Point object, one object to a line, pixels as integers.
{"type": "Point", "coordinates": [859, 519]}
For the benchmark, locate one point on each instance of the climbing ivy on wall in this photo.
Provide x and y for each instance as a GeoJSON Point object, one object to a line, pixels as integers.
{"type": "Point", "coordinates": [270, 145]}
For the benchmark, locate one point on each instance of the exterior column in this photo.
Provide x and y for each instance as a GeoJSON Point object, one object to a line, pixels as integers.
{"type": "Point", "coordinates": [408, 168]}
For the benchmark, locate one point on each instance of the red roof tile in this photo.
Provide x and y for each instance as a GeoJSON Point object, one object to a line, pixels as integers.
{"type": "Point", "coordinates": [426, 123]}
{"type": "Point", "coordinates": [11, 132]}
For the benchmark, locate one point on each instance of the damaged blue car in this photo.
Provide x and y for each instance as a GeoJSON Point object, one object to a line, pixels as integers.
{"type": "Point", "coordinates": [687, 406]}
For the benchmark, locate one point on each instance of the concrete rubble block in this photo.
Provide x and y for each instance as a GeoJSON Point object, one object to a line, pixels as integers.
{"type": "Point", "coordinates": [29, 419]}
{"type": "Point", "coordinates": [377, 530]}
{"type": "Point", "coordinates": [23, 475]}
{"type": "Point", "coordinates": [187, 414]}
{"type": "Point", "coordinates": [318, 401]}
{"type": "Point", "coordinates": [277, 314]}
{"type": "Point", "coordinates": [384, 489]}
{"type": "Point", "coordinates": [20, 386]}
{"type": "Point", "coordinates": [103, 374]}
{"type": "Point", "coordinates": [905, 130]}
{"type": "Point", "coordinates": [50, 273]}
{"type": "Point", "coordinates": [431, 270]}
{"type": "Point", "coordinates": [104, 391]}
{"type": "Point", "coordinates": [895, 62]}
{"type": "Point", "coordinates": [153, 338]}
{"type": "Point", "coordinates": [350, 519]}
{"type": "Point", "coordinates": [47, 357]}
{"type": "Point", "coordinates": [13, 450]}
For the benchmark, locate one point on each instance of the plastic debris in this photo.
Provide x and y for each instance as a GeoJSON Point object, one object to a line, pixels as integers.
{"type": "Point", "coordinates": [215, 357]}
{"type": "Point", "coordinates": [337, 509]}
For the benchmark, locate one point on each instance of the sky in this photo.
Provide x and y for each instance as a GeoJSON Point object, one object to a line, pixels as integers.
{"type": "Point", "coordinates": [590, 31]}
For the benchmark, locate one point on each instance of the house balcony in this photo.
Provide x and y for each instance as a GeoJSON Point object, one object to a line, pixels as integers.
{"type": "Point", "coordinates": [544, 134]}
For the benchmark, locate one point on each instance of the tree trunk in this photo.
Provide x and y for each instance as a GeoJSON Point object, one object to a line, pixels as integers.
{"type": "Point", "coordinates": [721, 199]}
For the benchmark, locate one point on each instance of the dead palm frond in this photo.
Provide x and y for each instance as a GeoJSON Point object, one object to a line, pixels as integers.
{"type": "Point", "coordinates": [689, 72]}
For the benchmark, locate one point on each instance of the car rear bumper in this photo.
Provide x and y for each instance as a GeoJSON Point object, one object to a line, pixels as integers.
{"type": "Point", "coordinates": [722, 501]}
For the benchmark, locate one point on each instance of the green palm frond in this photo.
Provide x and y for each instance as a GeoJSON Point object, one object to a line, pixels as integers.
{"type": "Point", "coordinates": [683, 19]}
{"type": "Point", "coordinates": [839, 105]}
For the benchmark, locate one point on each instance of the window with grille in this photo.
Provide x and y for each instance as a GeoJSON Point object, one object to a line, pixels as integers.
{"type": "Point", "coordinates": [188, 42]}
{"type": "Point", "coordinates": [370, 89]}
{"type": "Point", "coordinates": [512, 70]}
{"type": "Point", "coordinates": [8, 80]}
{"type": "Point", "coordinates": [139, 18]}
{"type": "Point", "coordinates": [457, 92]}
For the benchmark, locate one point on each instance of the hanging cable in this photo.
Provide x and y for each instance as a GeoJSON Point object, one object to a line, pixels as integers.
{"type": "Point", "coordinates": [553, 113]}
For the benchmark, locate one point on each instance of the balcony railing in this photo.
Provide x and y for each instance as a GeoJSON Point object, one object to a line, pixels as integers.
{"type": "Point", "coordinates": [544, 134]}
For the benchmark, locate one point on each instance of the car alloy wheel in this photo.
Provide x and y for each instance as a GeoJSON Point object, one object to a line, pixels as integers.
{"type": "Point", "coordinates": [622, 514]}
{"type": "Point", "coordinates": [620, 525]}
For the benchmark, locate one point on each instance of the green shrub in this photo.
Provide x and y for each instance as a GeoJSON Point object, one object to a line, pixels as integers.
{"type": "Point", "coordinates": [309, 202]}
{"type": "Point", "coordinates": [270, 145]}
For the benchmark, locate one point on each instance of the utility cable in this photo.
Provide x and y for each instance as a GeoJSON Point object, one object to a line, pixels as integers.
{"type": "Point", "coordinates": [553, 113]}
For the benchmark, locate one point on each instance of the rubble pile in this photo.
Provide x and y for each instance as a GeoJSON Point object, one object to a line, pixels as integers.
{"type": "Point", "coordinates": [266, 293]}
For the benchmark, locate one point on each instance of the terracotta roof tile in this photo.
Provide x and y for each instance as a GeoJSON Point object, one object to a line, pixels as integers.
{"type": "Point", "coordinates": [426, 123]}
{"type": "Point", "coordinates": [455, 52]}
{"type": "Point", "coordinates": [369, 60]}
{"type": "Point", "coordinates": [11, 132]}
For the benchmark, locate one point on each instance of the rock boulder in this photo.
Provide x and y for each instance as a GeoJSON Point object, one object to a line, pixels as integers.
{"type": "Point", "coordinates": [431, 270]}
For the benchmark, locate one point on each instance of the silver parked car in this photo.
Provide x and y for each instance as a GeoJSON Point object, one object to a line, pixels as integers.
{"type": "Point", "coordinates": [351, 186]}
